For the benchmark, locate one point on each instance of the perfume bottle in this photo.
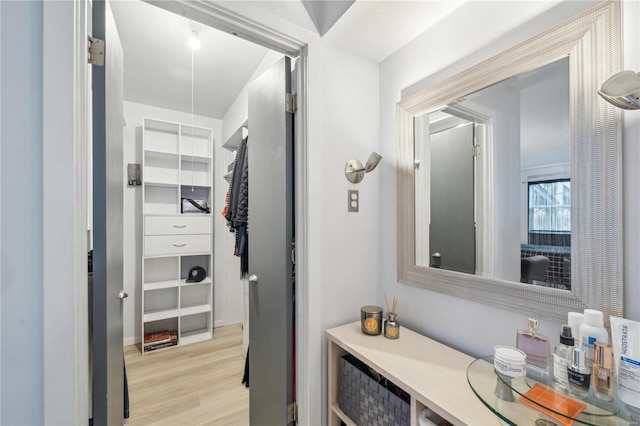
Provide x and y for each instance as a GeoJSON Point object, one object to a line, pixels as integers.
{"type": "Point", "coordinates": [578, 373]}
{"type": "Point", "coordinates": [561, 359]}
{"type": "Point", "coordinates": [535, 345]}
{"type": "Point", "coordinates": [603, 371]}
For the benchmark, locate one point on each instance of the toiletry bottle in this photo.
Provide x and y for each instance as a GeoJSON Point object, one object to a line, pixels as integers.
{"type": "Point", "coordinates": [578, 373]}
{"type": "Point", "coordinates": [535, 345]}
{"type": "Point", "coordinates": [575, 320]}
{"type": "Point", "coordinates": [592, 330]}
{"type": "Point", "coordinates": [603, 371]}
{"type": "Point", "coordinates": [561, 359]}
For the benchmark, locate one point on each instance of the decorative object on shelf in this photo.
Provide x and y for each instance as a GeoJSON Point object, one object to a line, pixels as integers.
{"type": "Point", "coordinates": [189, 205]}
{"type": "Point", "coordinates": [391, 326]}
{"type": "Point", "coordinates": [354, 170]}
{"type": "Point", "coordinates": [196, 274]}
{"type": "Point", "coordinates": [622, 90]}
{"type": "Point", "coordinates": [371, 320]}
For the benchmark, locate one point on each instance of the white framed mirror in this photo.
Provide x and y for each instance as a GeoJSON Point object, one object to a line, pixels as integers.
{"type": "Point", "coordinates": [590, 44]}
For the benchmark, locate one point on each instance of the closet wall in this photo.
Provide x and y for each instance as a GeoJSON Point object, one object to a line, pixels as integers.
{"type": "Point", "coordinates": [133, 225]}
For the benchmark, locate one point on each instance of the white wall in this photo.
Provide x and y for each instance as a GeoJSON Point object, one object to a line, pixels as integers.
{"type": "Point", "coordinates": [21, 294]}
{"type": "Point", "coordinates": [477, 30]}
{"type": "Point", "coordinates": [350, 243]}
{"type": "Point", "coordinates": [133, 115]}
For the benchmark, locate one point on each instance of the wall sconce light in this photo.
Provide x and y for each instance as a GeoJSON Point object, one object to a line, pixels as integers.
{"type": "Point", "coordinates": [622, 90]}
{"type": "Point", "coordinates": [354, 170]}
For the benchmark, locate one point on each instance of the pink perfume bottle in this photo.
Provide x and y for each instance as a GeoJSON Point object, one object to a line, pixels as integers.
{"type": "Point", "coordinates": [535, 345]}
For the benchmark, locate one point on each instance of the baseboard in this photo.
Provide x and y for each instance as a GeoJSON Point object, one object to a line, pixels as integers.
{"type": "Point", "coordinates": [131, 341]}
{"type": "Point", "coordinates": [219, 323]}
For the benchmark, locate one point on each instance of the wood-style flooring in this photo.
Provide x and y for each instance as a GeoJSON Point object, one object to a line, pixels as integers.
{"type": "Point", "coordinates": [196, 384]}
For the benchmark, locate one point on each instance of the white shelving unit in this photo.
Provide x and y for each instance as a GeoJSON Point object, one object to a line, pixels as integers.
{"type": "Point", "coordinates": [177, 162]}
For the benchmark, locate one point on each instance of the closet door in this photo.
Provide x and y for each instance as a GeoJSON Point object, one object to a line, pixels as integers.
{"type": "Point", "coordinates": [108, 187]}
{"type": "Point", "coordinates": [270, 159]}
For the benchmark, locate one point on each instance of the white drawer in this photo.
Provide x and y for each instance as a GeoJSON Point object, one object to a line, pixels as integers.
{"type": "Point", "coordinates": [156, 245]}
{"type": "Point", "coordinates": [177, 225]}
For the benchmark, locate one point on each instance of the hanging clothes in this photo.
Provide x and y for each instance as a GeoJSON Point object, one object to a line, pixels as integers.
{"type": "Point", "coordinates": [237, 206]}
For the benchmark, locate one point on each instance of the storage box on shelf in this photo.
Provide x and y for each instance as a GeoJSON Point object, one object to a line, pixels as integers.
{"type": "Point", "coordinates": [177, 162]}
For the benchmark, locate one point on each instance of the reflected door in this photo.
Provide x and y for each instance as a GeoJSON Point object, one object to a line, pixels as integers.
{"type": "Point", "coordinates": [452, 239]}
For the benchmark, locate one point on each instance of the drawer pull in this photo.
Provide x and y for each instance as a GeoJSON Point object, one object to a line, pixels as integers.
{"type": "Point", "coordinates": [179, 226]}
{"type": "Point", "coordinates": [179, 244]}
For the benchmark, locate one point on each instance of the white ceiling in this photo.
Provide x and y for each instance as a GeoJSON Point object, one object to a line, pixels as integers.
{"type": "Point", "coordinates": [158, 59]}
{"type": "Point", "coordinates": [375, 29]}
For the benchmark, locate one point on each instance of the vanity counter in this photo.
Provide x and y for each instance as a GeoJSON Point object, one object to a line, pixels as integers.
{"type": "Point", "coordinates": [434, 375]}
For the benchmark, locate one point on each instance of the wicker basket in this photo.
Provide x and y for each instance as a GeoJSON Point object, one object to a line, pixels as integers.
{"type": "Point", "coordinates": [366, 401]}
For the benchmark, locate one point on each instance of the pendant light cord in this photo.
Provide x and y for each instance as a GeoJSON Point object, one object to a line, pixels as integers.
{"type": "Point", "coordinates": [192, 119]}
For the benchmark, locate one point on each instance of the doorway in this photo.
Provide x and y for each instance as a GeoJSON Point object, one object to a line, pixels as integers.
{"type": "Point", "coordinates": [136, 223]}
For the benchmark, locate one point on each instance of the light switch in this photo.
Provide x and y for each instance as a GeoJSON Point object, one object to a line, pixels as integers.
{"type": "Point", "coordinates": [353, 201]}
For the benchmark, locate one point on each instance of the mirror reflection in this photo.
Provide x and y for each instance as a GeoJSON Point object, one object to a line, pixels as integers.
{"type": "Point", "coordinates": [493, 190]}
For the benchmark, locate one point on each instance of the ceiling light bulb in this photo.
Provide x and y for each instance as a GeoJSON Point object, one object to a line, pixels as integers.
{"type": "Point", "coordinates": [194, 41]}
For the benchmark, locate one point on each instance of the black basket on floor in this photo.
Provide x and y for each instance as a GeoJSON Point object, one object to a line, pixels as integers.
{"type": "Point", "coordinates": [369, 398]}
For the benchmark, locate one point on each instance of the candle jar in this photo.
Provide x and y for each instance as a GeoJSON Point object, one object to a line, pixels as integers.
{"type": "Point", "coordinates": [371, 320]}
{"type": "Point", "coordinates": [391, 327]}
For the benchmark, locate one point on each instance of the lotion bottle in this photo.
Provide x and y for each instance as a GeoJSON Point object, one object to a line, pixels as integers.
{"type": "Point", "coordinates": [561, 356]}
{"type": "Point", "coordinates": [591, 331]}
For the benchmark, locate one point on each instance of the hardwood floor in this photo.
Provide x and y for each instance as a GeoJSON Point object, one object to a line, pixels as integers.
{"type": "Point", "coordinates": [197, 384]}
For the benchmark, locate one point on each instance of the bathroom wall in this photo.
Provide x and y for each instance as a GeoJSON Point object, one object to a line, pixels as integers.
{"type": "Point", "coordinates": [474, 32]}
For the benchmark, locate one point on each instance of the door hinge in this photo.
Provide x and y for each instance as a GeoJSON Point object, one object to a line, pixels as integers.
{"type": "Point", "coordinates": [96, 51]}
{"type": "Point", "coordinates": [477, 150]}
{"type": "Point", "coordinates": [291, 103]}
{"type": "Point", "coordinates": [292, 412]}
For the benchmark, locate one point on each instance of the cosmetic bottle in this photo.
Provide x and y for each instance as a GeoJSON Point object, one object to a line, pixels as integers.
{"type": "Point", "coordinates": [592, 330]}
{"type": "Point", "coordinates": [561, 359]}
{"type": "Point", "coordinates": [603, 371]}
{"type": "Point", "coordinates": [578, 374]}
{"type": "Point", "coordinates": [575, 320]}
{"type": "Point", "coordinates": [536, 346]}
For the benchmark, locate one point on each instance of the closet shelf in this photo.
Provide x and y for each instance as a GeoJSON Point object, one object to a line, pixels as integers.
{"type": "Point", "coordinates": [194, 336]}
{"type": "Point", "coordinates": [161, 184]}
{"type": "Point", "coordinates": [177, 162]}
{"type": "Point", "coordinates": [153, 153]}
{"type": "Point", "coordinates": [193, 310]}
{"type": "Point", "coordinates": [234, 140]}
{"type": "Point", "coordinates": [159, 285]}
{"type": "Point", "coordinates": [184, 283]}
{"type": "Point", "coordinates": [160, 314]}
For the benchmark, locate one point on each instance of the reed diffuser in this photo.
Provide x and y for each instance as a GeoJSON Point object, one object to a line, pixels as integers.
{"type": "Point", "coordinates": [391, 326]}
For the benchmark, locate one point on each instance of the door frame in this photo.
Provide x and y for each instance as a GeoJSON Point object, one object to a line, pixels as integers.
{"type": "Point", "coordinates": [67, 125]}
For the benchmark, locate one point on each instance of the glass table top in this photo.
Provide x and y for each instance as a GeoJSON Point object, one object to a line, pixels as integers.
{"type": "Point", "coordinates": [507, 398]}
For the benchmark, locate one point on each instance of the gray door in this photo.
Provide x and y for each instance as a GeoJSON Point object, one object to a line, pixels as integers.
{"type": "Point", "coordinates": [452, 241]}
{"type": "Point", "coordinates": [270, 159]}
{"type": "Point", "coordinates": [108, 186]}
